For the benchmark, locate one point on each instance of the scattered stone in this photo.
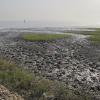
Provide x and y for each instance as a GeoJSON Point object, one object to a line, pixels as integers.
{"type": "Point", "coordinates": [74, 61]}
{"type": "Point", "coordinates": [5, 94]}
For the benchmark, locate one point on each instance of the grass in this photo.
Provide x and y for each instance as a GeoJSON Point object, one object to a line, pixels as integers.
{"type": "Point", "coordinates": [95, 36]}
{"type": "Point", "coordinates": [33, 87]}
{"type": "Point", "coordinates": [42, 37]}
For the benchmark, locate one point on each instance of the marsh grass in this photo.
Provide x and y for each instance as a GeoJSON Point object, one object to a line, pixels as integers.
{"type": "Point", "coordinates": [42, 37]}
{"type": "Point", "coordinates": [95, 37]}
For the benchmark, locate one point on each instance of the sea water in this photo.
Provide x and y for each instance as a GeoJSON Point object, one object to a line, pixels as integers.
{"type": "Point", "coordinates": [34, 26]}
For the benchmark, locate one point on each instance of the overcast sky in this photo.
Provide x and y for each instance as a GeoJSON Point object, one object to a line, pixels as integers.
{"type": "Point", "coordinates": [85, 12]}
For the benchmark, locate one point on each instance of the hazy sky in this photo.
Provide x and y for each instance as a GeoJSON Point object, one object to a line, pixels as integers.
{"type": "Point", "coordinates": [86, 12]}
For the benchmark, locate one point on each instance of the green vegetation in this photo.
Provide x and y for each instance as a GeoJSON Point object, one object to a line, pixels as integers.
{"type": "Point", "coordinates": [42, 37]}
{"type": "Point", "coordinates": [33, 87]}
{"type": "Point", "coordinates": [95, 36]}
